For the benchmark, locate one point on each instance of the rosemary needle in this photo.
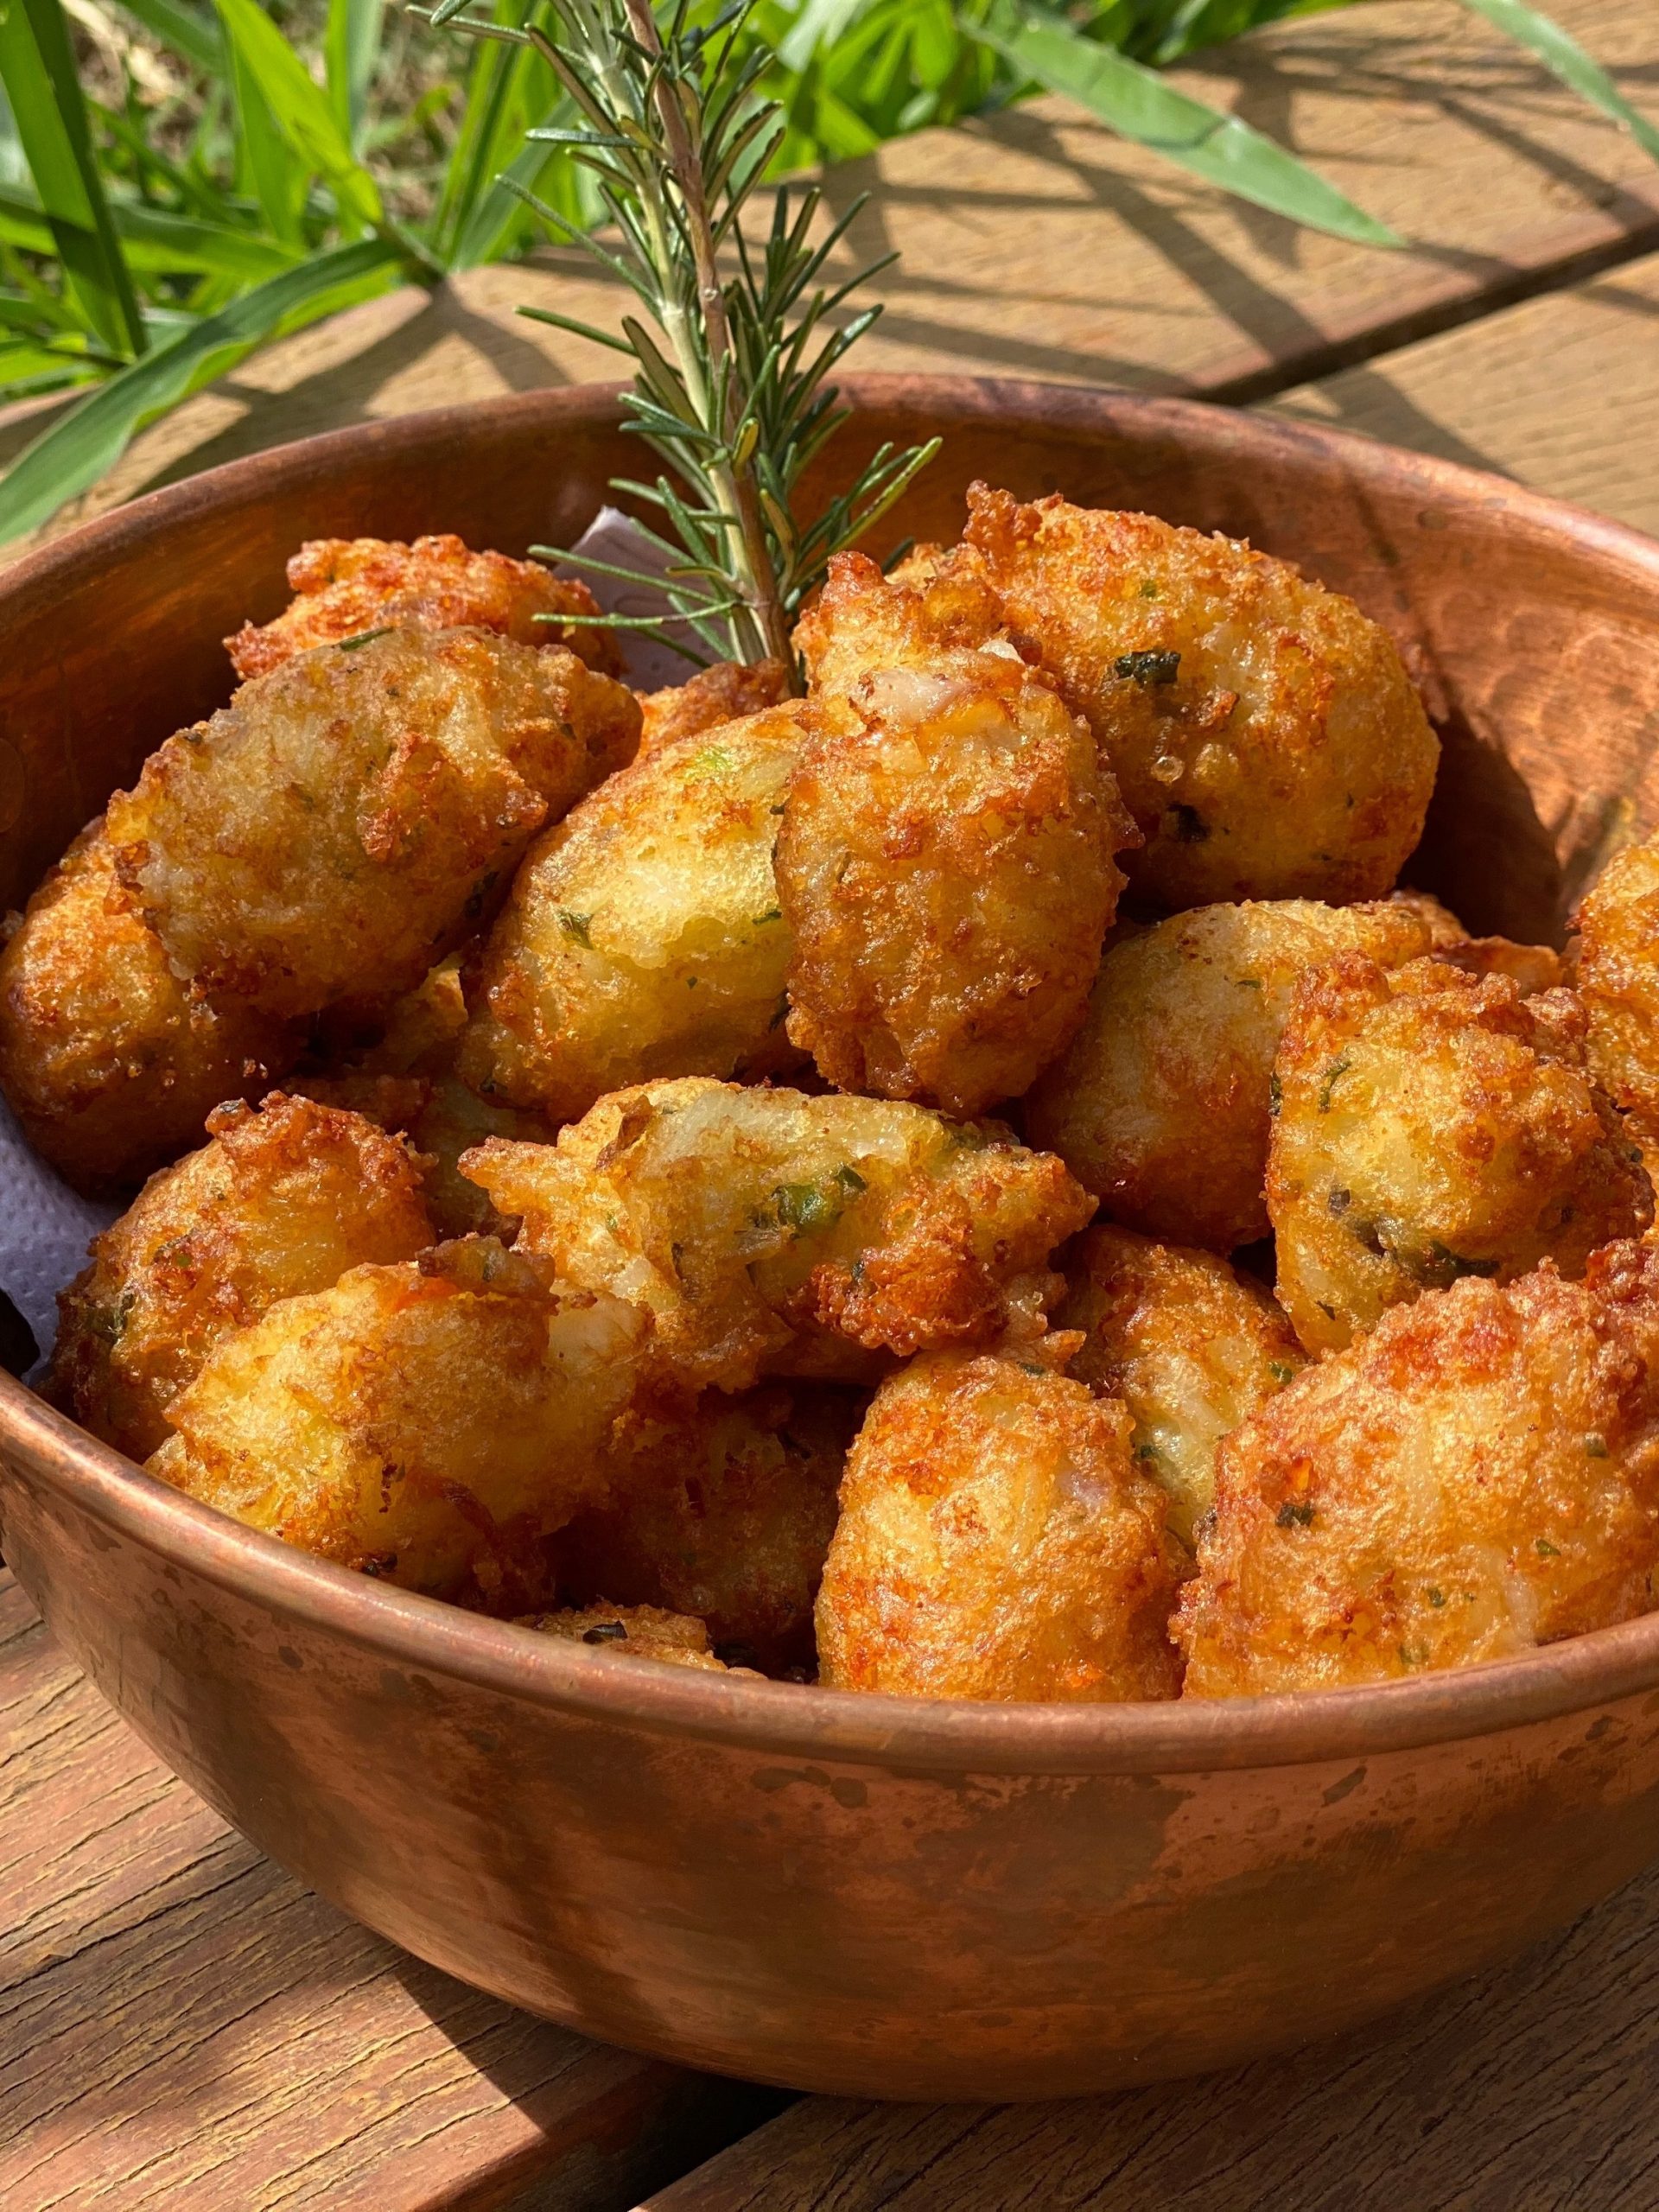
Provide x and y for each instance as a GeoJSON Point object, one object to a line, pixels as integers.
{"type": "Point", "coordinates": [734, 354]}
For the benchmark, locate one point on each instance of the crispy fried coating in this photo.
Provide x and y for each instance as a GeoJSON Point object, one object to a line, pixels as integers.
{"type": "Point", "coordinates": [351, 817]}
{"type": "Point", "coordinates": [944, 860]}
{"type": "Point", "coordinates": [406, 1082]}
{"type": "Point", "coordinates": [767, 1232]}
{"type": "Point", "coordinates": [1433, 1124]}
{"type": "Point", "coordinates": [1190, 1346]}
{"type": "Point", "coordinates": [726, 692]}
{"type": "Point", "coordinates": [279, 1202]}
{"type": "Point", "coordinates": [996, 1540]}
{"type": "Point", "coordinates": [644, 937]}
{"type": "Point", "coordinates": [427, 1423]}
{"type": "Point", "coordinates": [1478, 1476]}
{"type": "Point", "coordinates": [1534, 967]}
{"type": "Point", "coordinates": [1264, 733]}
{"type": "Point", "coordinates": [636, 1632]}
{"type": "Point", "coordinates": [1160, 1106]}
{"type": "Point", "coordinates": [1617, 978]}
{"type": "Point", "coordinates": [725, 1511]}
{"type": "Point", "coordinates": [109, 1064]}
{"type": "Point", "coordinates": [344, 586]}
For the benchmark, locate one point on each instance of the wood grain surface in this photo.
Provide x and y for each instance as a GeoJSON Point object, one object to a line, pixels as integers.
{"type": "Point", "coordinates": [183, 2026]}
{"type": "Point", "coordinates": [1561, 393]}
{"type": "Point", "coordinates": [1034, 243]}
{"type": "Point", "coordinates": [1529, 2090]}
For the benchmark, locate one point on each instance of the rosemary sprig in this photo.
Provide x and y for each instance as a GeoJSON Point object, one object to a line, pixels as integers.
{"type": "Point", "coordinates": [731, 384]}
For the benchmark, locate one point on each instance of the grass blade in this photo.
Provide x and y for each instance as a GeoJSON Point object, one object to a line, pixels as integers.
{"type": "Point", "coordinates": [188, 31]}
{"type": "Point", "coordinates": [80, 447]}
{"type": "Point", "coordinates": [351, 43]}
{"type": "Point", "coordinates": [1137, 102]}
{"type": "Point", "coordinates": [302, 112]}
{"type": "Point", "coordinates": [1568, 59]}
{"type": "Point", "coordinates": [37, 66]}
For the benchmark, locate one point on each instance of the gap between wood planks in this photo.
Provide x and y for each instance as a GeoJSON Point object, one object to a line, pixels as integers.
{"type": "Point", "coordinates": [1433, 319]}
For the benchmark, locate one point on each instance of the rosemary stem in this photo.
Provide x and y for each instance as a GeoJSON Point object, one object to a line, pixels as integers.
{"type": "Point", "coordinates": [737, 491]}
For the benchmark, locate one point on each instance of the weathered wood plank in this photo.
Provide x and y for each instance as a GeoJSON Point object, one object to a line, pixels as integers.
{"type": "Point", "coordinates": [1561, 393]}
{"type": "Point", "coordinates": [1036, 244]}
{"type": "Point", "coordinates": [182, 2025]}
{"type": "Point", "coordinates": [1530, 2090]}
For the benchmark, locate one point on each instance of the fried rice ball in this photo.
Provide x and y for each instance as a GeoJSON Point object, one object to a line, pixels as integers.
{"type": "Point", "coordinates": [351, 817]}
{"type": "Point", "coordinates": [997, 1540]}
{"type": "Point", "coordinates": [1431, 1124]}
{"type": "Point", "coordinates": [110, 1066]}
{"type": "Point", "coordinates": [724, 1511]}
{"type": "Point", "coordinates": [945, 861]}
{"type": "Point", "coordinates": [280, 1201]}
{"type": "Point", "coordinates": [344, 586]}
{"type": "Point", "coordinates": [1618, 977]}
{"type": "Point", "coordinates": [1264, 733]}
{"type": "Point", "coordinates": [767, 1232]}
{"type": "Point", "coordinates": [636, 1632]}
{"type": "Point", "coordinates": [1160, 1107]}
{"type": "Point", "coordinates": [1478, 1476]}
{"type": "Point", "coordinates": [430, 1423]}
{"type": "Point", "coordinates": [644, 936]}
{"type": "Point", "coordinates": [726, 692]}
{"type": "Point", "coordinates": [1190, 1346]}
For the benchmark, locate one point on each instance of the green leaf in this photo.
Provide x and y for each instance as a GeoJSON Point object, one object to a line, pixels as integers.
{"type": "Point", "coordinates": [1568, 59]}
{"type": "Point", "coordinates": [81, 445]}
{"type": "Point", "coordinates": [37, 66]}
{"type": "Point", "coordinates": [302, 112]}
{"type": "Point", "coordinates": [493, 118]}
{"type": "Point", "coordinates": [188, 31]}
{"type": "Point", "coordinates": [264, 164]}
{"type": "Point", "coordinates": [1137, 102]}
{"type": "Point", "coordinates": [820, 23]}
{"type": "Point", "coordinates": [156, 239]}
{"type": "Point", "coordinates": [351, 43]}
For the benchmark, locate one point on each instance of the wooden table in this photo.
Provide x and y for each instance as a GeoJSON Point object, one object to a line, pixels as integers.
{"type": "Point", "coordinates": [180, 2025]}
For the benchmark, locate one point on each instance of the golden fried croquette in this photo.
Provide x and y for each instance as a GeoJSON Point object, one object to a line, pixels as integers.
{"type": "Point", "coordinates": [280, 1201]}
{"type": "Point", "coordinates": [767, 1232]}
{"type": "Point", "coordinates": [110, 1066]}
{"type": "Point", "coordinates": [726, 692]}
{"type": "Point", "coordinates": [344, 586]}
{"type": "Point", "coordinates": [1191, 1347]}
{"type": "Point", "coordinates": [644, 937]}
{"type": "Point", "coordinates": [933, 603]}
{"type": "Point", "coordinates": [1617, 978]}
{"type": "Point", "coordinates": [1263, 732]}
{"type": "Point", "coordinates": [725, 1510]}
{"type": "Point", "coordinates": [1444, 928]}
{"type": "Point", "coordinates": [636, 1632]}
{"type": "Point", "coordinates": [1431, 1124]}
{"type": "Point", "coordinates": [1160, 1105]}
{"type": "Point", "coordinates": [1534, 967]}
{"type": "Point", "coordinates": [1478, 1476]}
{"type": "Point", "coordinates": [406, 1082]}
{"type": "Point", "coordinates": [997, 1540]}
{"type": "Point", "coordinates": [429, 1423]}
{"type": "Point", "coordinates": [351, 817]}
{"type": "Point", "coordinates": [945, 861]}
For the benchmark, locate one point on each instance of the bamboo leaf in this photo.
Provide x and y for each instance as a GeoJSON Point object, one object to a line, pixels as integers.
{"type": "Point", "coordinates": [37, 66]}
{"type": "Point", "coordinates": [1137, 102]}
{"type": "Point", "coordinates": [1568, 59]}
{"type": "Point", "coordinates": [351, 43]}
{"type": "Point", "coordinates": [302, 112]}
{"type": "Point", "coordinates": [81, 445]}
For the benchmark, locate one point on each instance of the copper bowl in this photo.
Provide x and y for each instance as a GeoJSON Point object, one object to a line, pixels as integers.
{"type": "Point", "coordinates": [879, 1896]}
